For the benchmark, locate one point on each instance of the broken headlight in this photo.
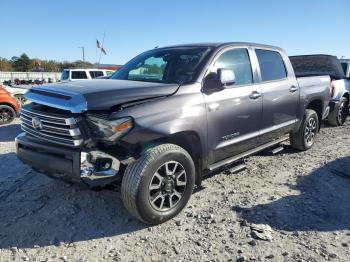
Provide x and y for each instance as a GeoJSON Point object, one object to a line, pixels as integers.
{"type": "Point", "coordinates": [109, 130]}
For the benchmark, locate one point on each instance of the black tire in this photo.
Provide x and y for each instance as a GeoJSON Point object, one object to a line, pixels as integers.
{"type": "Point", "coordinates": [304, 138]}
{"type": "Point", "coordinates": [340, 112]}
{"type": "Point", "coordinates": [7, 114]}
{"type": "Point", "coordinates": [138, 178]}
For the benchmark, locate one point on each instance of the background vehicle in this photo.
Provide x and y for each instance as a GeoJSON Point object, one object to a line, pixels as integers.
{"type": "Point", "coordinates": [17, 93]}
{"type": "Point", "coordinates": [83, 74]}
{"type": "Point", "coordinates": [9, 107]}
{"type": "Point", "coordinates": [313, 65]}
{"type": "Point", "coordinates": [345, 63]}
{"type": "Point", "coordinates": [167, 118]}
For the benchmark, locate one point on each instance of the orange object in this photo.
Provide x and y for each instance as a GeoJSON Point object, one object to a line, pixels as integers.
{"type": "Point", "coordinates": [9, 107]}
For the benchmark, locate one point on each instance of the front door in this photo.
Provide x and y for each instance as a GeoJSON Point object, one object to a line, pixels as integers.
{"type": "Point", "coordinates": [233, 114]}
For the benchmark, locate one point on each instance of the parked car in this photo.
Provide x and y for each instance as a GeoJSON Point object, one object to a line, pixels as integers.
{"type": "Point", "coordinates": [83, 74]}
{"type": "Point", "coordinates": [167, 118]}
{"type": "Point", "coordinates": [17, 93]}
{"type": "Point", "coordinates": [313, 65]}
{"type": "Point", "coordinates": [9, 107]}
{"type": "Point", "coordinates": [345, 63]}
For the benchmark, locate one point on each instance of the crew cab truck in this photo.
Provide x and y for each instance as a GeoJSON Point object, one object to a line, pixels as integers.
{"type": "Point", "coordinates": [313, 65]}
{"type": "Point", "coordinates": [167, 118]}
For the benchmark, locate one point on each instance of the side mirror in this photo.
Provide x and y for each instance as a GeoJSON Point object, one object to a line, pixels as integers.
{"type": "Point", "coordinates": [226, 76]}
{"type": "Point", "coordinates": [217, 81]}
{"type": "Point", "coordinates": [212, 84]}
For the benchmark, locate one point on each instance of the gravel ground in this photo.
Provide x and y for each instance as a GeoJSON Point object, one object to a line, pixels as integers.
{"type": "Point", "coordinates": [293, 206]}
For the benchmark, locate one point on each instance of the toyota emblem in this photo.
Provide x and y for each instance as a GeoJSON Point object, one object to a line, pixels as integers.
{"type": "Point", "coordinates": [36, 123]}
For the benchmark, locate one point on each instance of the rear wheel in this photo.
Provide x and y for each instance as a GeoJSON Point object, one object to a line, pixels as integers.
{"type": "Point", "coordinates": [7, 114]}
{"type": "Point", "coordinates": [156, 187]}
{"type": "Point", "coordinates": [339, 113]}
{"type": "Point", "coordinates": [304, 138]}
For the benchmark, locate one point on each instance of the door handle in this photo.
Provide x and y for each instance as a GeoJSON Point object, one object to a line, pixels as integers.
{"type": "Point", "coordinates": [255, 95]}
{"type": "Point", "coordinates": [293, 89]}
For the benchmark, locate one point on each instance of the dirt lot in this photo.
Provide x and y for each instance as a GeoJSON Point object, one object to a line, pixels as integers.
{"type": "Point", "coordinates": [289, 207]}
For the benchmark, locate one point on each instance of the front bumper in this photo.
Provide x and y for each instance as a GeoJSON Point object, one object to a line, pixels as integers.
{"type": "Point", "coordinates": [68, 164]}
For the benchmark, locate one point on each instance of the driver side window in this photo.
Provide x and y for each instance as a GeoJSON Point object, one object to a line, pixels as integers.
{"type": "Point", "coordinates": [238, 61]}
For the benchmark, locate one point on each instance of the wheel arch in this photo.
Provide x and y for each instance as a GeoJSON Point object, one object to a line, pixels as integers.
{"type": "Point", "coordinates": [347, 96]}
{"type": "Point", "coordinates": [8, 104]}
{"type": "Point", "coordinates": [188, 140]}
{"type": "Point", "coordinates": [317, 106]}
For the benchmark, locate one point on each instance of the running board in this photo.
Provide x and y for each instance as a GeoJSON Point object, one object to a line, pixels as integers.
{"type": "Point", "coordinates": [245, 154]}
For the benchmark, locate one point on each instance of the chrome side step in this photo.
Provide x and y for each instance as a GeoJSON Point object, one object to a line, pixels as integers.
{"type": "Point", "coordinates": [237, 168]}
{"type": "Point", "coordinates": [277, 150]}
{"type": "Point", "coordinates": [232, 159]}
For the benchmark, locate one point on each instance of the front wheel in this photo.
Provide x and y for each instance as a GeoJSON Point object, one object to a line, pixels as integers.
{"type": "Point", "coordinates": [7, 114]}
{"type": "Point", "coordinates": [304, 138]}
{"type": "Point", "coordinates": [156, 187]}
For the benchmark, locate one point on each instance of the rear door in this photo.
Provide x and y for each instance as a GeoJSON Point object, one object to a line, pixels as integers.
{"type": "Point", "coordinates": [280, 94]}
{"type": "Point", "coordinates": [233, 115]}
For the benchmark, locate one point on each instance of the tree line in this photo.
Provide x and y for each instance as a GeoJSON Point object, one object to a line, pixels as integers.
{"type": "Point", "coordinates": [25, 64]}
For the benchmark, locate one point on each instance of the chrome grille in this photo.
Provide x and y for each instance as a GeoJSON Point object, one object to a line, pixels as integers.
{"type": "Point", "coordinates": [53, 128]}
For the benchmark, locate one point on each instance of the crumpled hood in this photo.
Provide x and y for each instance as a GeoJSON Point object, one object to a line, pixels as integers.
{"type": "Point", "coordinates": [97, 94]}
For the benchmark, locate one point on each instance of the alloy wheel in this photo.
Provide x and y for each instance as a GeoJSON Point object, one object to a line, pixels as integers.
{"type": "Point", "coordinates": [310, 131]}
{"type": "Point", "coordinates": [5, 115]}
{"type": "Point", "coordinates": [167, 186]}
{"type": "Point", "coordinates": [343, 113]}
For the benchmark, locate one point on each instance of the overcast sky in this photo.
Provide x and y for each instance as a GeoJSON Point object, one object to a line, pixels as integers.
{"type": "Point", "coordinates": [55, 29]}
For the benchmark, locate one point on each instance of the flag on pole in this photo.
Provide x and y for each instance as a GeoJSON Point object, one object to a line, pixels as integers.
{"type": "Point", "coordinates": [103, 51]}
{"type": "Point", "coordinates": [98, 44]}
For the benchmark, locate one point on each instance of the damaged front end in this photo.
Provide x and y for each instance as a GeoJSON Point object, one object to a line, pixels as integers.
{"type": "Point", "coordinates": [72, 146]}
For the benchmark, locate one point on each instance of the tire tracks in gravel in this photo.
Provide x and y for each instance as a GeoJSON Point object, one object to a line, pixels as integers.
{"type": "Point", "coordinates": [16, 185]}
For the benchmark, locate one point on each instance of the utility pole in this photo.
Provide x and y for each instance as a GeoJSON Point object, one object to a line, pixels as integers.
{"type": "Point", "coordinates": [83, 49]}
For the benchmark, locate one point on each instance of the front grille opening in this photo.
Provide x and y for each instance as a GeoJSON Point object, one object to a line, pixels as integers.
{"type": "Point", "coordinates": [51, 125]}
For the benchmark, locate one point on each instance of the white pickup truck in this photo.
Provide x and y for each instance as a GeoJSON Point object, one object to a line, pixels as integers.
{"type": "Point", "coordinates": [83, 74]}
{"type": "Point", "coordinates": [313, 65]}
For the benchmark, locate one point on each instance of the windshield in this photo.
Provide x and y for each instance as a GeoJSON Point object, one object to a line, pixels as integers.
{"type": "Point", "coordinates": [172, 65]}
{"type": "Point", "coordinates": [345, 67]}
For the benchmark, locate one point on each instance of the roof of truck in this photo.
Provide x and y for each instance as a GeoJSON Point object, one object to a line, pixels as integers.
{"type": "Point", "coordinates": [223, 44]}
{"type": "Point", "coordinates": [87, 69]}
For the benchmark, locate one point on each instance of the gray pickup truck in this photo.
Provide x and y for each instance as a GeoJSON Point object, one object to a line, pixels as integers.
{"type": "Point", "coordinates": [167, 118]}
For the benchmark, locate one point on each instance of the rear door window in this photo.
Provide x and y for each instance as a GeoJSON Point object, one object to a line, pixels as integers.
{"type": "Point", "coordinates": [95, 74]}
{"type": "Point", "coordinates": [271, 65]}
{"type": "Point", "coordinates": [79, 75]}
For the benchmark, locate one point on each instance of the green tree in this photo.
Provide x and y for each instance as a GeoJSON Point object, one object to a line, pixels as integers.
{"type": "Point", "coordinates": [5, 65]}
{"type": "Point", "coordinates": [22, 63]}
